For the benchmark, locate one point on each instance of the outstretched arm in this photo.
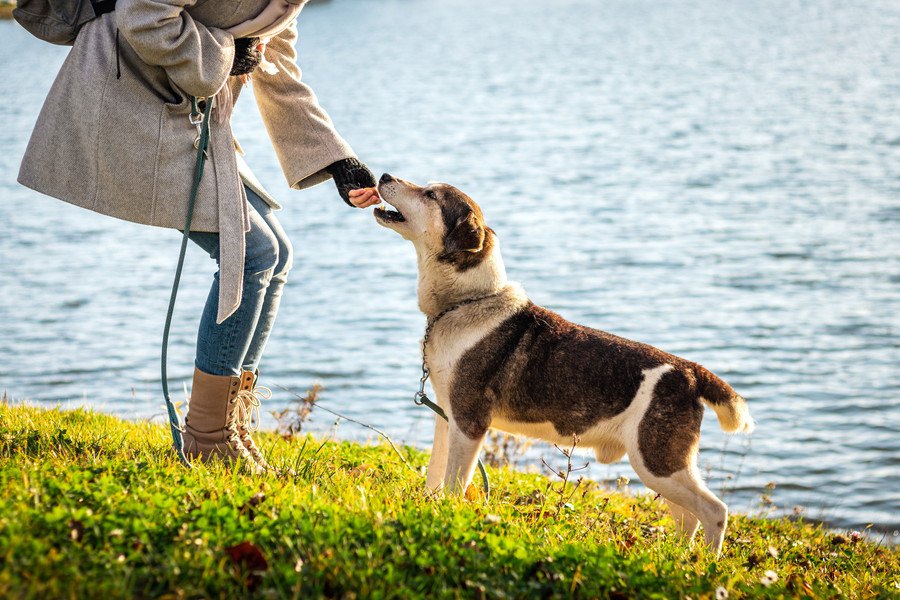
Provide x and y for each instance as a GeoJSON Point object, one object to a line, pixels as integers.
{"type": "Point", "coordinates": [302, 133]}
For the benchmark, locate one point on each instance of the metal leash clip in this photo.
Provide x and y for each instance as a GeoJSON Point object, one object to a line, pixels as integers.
{"type": "Point", "coordinates": [420, 397]}
{"type": "Point", "coordinates": [196, 119]}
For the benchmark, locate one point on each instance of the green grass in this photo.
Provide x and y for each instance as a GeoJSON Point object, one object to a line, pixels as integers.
{"type": "Point", "coordinates": [94, 506]}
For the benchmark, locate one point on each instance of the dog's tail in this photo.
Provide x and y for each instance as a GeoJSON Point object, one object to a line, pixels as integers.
{"type": "Point", "coordinates": [731, 408]}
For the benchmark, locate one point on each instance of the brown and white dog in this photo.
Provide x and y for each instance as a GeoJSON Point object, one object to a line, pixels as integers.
{"type": "Point", "coordinates": [498, 360]}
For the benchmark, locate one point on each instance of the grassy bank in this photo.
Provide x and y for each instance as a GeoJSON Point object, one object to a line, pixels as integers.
{"type": "Point", "coordinates": [91, 505]}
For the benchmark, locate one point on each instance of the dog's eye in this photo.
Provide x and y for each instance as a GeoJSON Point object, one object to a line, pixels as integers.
{"type": "Point", "coordinates": [431, 194]}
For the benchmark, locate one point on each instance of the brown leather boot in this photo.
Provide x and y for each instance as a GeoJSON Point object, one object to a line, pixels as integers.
{"type": "Point", "coordinates": [249, 397]}
{"type": "Point", "coordinates": [211, 426]}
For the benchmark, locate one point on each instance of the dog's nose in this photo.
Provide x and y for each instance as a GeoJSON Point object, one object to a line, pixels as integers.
{"type": "Point", "coordinates": [387, 178]}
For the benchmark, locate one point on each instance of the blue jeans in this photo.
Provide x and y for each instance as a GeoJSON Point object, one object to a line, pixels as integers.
{"type": "Point", "coordinates": [237, 344]}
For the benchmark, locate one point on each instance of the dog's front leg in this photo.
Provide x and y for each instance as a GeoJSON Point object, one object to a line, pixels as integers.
{"type": "Point", "coordinates": [437, 466]}
{"type": "Point", "coordinates": [462, 455]}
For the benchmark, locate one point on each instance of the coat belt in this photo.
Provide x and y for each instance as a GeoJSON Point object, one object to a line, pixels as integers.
{"type": "Point", "coordinates": [234, 221]}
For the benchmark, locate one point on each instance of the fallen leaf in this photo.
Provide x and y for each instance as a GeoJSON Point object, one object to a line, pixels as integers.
{"type": "Point", "coordinates": [247, 556]}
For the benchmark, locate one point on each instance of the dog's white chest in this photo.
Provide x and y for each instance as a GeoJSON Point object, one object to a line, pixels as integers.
{"type": "Point", "coordinates": [443, 354]}
{"type": "Point", "coordinates": [444, 350]}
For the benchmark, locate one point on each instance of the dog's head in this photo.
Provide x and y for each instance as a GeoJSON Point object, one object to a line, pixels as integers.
{"type": "Point", "coordinates": [438, 219]}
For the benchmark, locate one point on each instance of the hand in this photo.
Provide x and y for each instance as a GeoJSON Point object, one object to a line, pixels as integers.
{"type": "Point", "coordinates": [355, 182]}
{"type": "Point", "coordinates": [247, 56]}
{"type": "Point", "coordinates": [364, 197]}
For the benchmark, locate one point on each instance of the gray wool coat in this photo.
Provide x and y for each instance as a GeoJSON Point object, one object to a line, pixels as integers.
{"type": "Point", "coordinates": [114, 134]}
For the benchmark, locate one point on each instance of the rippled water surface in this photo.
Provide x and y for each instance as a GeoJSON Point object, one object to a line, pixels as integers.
{"type": "Point", "coordinates": [717, 179]}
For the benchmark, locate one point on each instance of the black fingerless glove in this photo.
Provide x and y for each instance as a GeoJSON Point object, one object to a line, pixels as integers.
{"type": "Point", "coordinates": [350, 174]}
{"type": "Point", "coordinates": [246, 56]}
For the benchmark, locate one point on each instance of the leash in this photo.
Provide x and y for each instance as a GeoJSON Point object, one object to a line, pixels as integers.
{"type": "Point", "coordinates": [201, 143]}
{"type": "Point", "coordinates": [421, 398]}
{"type": "Point", "coordinates": [201, 121]}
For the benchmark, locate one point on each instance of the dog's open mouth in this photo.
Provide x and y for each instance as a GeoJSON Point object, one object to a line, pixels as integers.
{"type": "Point", "coordinates": [388, 214]}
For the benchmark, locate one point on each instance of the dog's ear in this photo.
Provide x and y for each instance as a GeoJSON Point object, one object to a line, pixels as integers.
{"type": "Point", "coordinates": [467, 235]}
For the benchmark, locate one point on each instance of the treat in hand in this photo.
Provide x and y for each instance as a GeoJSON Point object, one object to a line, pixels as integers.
{"type": "Point", "coordinates": [355, 182]}
{"type": "Point", "coordinates": [364, 197]}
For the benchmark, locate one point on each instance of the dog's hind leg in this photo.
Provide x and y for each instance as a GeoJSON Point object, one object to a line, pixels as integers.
{"type": "Point", "coordinates": [685, 522]}
{"type": "Point", "coordinates": [687, 490]}
{"type": "Point", "coordinates": [663, 451]}
{"type": "Point", "coordinates": [437, 465]}
{"type": "Point", "coordinates": [461, 457]}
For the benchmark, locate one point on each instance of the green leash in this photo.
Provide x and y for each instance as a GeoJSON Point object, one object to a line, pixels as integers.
{"type": "Point", "coordinates": [201, 121]}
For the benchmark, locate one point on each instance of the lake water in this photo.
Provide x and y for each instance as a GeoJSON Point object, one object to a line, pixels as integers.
{"type": "Point", "coordinates": [719, 180]}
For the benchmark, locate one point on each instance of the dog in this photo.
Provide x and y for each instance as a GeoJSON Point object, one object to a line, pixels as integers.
{"type": "Point", "coordinates": [497, 360]}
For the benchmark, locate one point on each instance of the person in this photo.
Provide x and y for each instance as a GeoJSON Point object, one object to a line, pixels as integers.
{"type": "Point", "coordinates": [115, 136]}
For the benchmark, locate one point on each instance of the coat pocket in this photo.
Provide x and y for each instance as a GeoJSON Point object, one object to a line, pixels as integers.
{"type": "Point", "coordinates": [176, 159]}
{"type": "Point", "coordinates": [177, 101]}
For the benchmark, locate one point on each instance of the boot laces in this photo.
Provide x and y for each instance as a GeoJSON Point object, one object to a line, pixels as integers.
{"type": "Point", "coordinates": [248, 405]}
{"type": "Point", "coordinates": [234, 424]}
{"type": "Point", "coordinates": [234, 440]}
